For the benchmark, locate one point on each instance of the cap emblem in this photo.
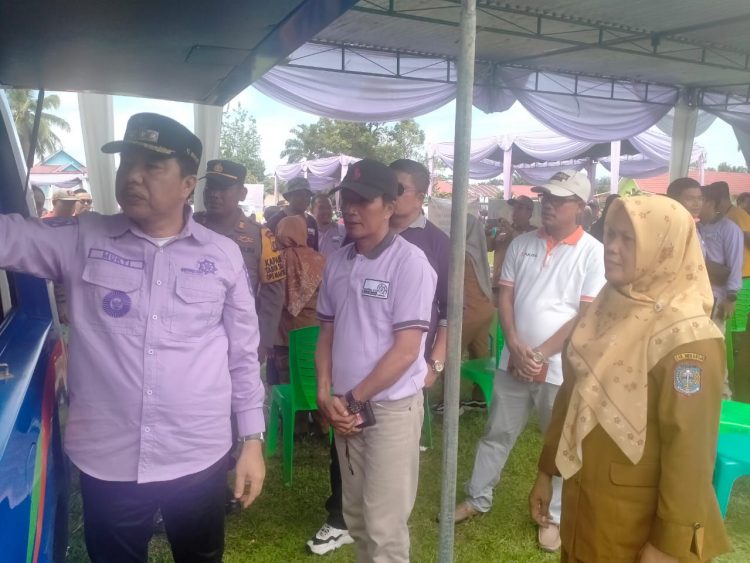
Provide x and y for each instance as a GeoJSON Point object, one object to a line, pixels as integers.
{"type": "Point", "coordinates": [560, 177]}
{"type": "Point", "coordinates": [145, 135]}
{"type": "Point", "coordinates": [218, 168]}
{"type": "Point", "coordinates": [356, 173]}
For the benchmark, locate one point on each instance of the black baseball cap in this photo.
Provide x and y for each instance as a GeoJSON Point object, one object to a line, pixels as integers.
{"type": "Point", "coordinates": [224, 173]}
{"type": "Point", "coordinates": [298, 184]}
{"type": "Point", "coordinates": [159, 134]}
{"type": "Point", "coordinates": [370, 179]}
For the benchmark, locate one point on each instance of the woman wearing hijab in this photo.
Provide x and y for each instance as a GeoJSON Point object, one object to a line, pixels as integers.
{"type": "Point", "coordinates": [304, 272]}
{"type": "Point", "coordinates": [634, 425]}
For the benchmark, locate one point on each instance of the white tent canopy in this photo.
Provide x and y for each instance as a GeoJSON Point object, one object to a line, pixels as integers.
{"type": "Point", "coordinates": [538, 155]}
{"type": "Point", "coordinates": [322, 173]}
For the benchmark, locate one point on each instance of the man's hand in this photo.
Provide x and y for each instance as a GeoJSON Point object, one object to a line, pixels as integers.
{"type": "Point", "coordinates": [264, 354]}
{"type": "Point", "coordinates": [335, 411]}
{"type": "Point", "coordinates": [540, 498]}
{"type": "Point", "coordinates": [726, 310]}
{"type": "Point", "coordinates": [250, 473]}
{"type": "Point", "coordinates": [522, 357]}
{"type": "Point", "coordinates": [649, 554]}
{"type": "Point", "coordinates": [430, 378]}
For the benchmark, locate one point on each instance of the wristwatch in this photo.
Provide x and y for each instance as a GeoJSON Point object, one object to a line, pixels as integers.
{"type": "Point", "coordinates": [437, 366]}
{"type": "Point", "coordinates": [257, 436]}
{"type": "Point", "coordinates": [538, 357]}
{"type": "Point", "coordinates": [353, 404]}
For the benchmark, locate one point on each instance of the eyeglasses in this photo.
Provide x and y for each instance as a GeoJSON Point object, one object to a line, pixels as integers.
{"type": "Point", "coordinates": [86, 201]}
{"type": "Point", "coordinates": [557, 201]}
{"type": "Point", "coordinates": [402, 190]}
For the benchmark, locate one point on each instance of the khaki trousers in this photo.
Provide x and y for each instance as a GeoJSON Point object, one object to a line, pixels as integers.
{"type": "Point", "coordinates": [380, 472]}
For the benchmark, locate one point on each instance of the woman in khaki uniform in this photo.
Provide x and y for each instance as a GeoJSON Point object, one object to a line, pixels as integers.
{"type": "Point", "coordinates": [633, 429]}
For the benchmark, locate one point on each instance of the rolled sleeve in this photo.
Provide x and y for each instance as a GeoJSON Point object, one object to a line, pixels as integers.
{"type": "Point", "coordinates": [734, 246]}
{"type": "Point", "coordinates": [508, 270]}
{"type": "Point", "coordinates": [326, 306]}
{"type": "Point", "coordinates": [594, 279]}
{"type": "Point", "coordinates": [413, 295]}
{"type": "Point", "coordinates": [42, 248]}
{"type": "Point", "coordinates": [241, 325]}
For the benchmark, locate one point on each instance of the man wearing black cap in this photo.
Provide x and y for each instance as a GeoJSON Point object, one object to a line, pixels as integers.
{"type": "Point", "coordinates": [505, 232]}
{"type": "Point", "coordinates": [299, 195]}
{"type": "Point", "coordinates": [374, 307]}
{"type": "Point", "coordinates": [223, 193]}
{"type": "Point", "coordinates": [163, 339]}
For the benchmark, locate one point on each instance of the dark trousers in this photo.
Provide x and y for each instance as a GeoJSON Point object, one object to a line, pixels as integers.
{"type": "Point", "coordinates": [118, 516]}
{"type": "Point", "coordinates": [335, 503]}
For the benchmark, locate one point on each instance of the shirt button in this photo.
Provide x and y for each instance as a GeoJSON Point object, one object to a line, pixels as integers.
{"type": "Point", "coordinates": [150, 352]}
{"type": "Point", "coordinates": [154, 317]}
{"type": "Point", "coordinates": [147, 429]}
{"type": "Point", "coordinates": [158, 282]}
{"type": "Point", "coordinates": [149, 392]}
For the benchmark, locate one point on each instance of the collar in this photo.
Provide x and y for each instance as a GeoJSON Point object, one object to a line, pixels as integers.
{"type": "Point", "coordinates": [120, 224]}
{"type": "Point", "coordinates": [572, 239]}
{"type": "Point", "coordinates": [419, 223]}
{"type": "Point", "coordinates": [377, 250]}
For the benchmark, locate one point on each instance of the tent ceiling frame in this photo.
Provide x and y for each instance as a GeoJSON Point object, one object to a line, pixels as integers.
{"type": "Point", "coordinates": [667, 44]}
{"type": "Point", "coordinates": [381, 71]}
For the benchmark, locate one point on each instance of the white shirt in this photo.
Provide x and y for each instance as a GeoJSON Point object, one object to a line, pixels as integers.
{"type": "Point", "coordinates": [549, 281]}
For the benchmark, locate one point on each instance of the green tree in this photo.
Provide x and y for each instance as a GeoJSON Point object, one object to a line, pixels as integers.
{"type": "Point", "coordinates": [725, 167]}
{"type": "Point", "coordinates": [240, 142]}
{"type": "Point", "coordinates": [23, 108]}
{"type": "Point", "coordinates": [329, 137]}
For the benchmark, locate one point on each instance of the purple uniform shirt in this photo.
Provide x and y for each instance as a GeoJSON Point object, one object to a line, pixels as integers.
{"type": "Point", "coordinates": [163, 341]}
{"type": "Point", "coordinates": [724, 243]}
{"type": "Point", "coordinates": [331, 238]}
{"type": "Point", "coordinates": [370, 297]}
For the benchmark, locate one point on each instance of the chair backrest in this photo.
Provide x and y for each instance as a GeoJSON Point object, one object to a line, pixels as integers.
{"type": "Point", "coordinates": [499, 343]}
{"type": "Point", "coordinates": [302, 344]}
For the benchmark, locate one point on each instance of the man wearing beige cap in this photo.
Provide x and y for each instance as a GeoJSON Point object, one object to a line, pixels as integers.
{"type": "Point", "coordinates": [548, 276]}
{"type": "Point", "coordinates": [63, 203]}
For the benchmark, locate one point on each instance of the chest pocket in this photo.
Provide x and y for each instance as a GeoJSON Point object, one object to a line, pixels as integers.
{"type": "Point", "coordinates": [197, 305]}
{"type": "Point", "coordinates": [114, 302]}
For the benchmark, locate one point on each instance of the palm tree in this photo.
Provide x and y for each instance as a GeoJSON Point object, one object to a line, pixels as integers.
{"type": "Point", "coordinates": [23, 108]}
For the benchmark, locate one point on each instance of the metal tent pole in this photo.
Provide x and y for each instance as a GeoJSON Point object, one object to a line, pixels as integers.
{"type": "Point", "coordinates": [462, 146]}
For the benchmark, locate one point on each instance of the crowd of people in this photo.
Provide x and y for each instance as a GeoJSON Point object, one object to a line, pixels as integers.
{"type": "Point", "coordinates": [612, 320]}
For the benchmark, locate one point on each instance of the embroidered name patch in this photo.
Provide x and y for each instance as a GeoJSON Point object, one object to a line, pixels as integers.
{"type": "Point", "coordinates": [116, 304]}
{"type": "Point", "coordinates": [376, 288]}
{"type": "Point", "coordinates": [205, 267]}
{"type": "Point", "coordinates": [687, 378]}
{"type": "Point", "coordinates": [99, 254]}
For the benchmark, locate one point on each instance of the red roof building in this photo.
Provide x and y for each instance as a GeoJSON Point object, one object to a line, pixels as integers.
{"type": "Point", "coordinates": [738, 181]}
{"type": "Point", "coordinates": [476, 191]}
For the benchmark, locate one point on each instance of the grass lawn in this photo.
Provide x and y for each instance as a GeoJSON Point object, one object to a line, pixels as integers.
{"type": "Point", "coordinates": [277, 526]}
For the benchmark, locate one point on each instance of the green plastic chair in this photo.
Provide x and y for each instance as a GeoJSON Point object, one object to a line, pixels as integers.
{"type": "Point", "coordinates": [482, 371]}
{"type": "Point", "coordinates": [733, 452]}
{"type": "Point", "coordinates": [300, 394]}
{"type": "Point", "coordinates": [732, 462]}
{"type": "Point", "coordinates": [735, 418]}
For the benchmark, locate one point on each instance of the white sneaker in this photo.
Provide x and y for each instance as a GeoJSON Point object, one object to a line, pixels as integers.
{"type": "Point", "coordinates": [328, 539]}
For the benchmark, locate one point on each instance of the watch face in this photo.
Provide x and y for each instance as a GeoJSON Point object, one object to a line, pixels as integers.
{"type": "Point", "coordinates": [438, 366]}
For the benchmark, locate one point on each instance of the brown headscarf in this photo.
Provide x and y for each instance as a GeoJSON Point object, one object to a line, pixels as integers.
{"type": "Point", "coordinates": [304, 266]}
{"type": "Point", "coordinates": [627, 330]}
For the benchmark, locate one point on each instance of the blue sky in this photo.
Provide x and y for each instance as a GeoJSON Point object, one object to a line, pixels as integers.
{"type": "Point", "coordinates": [275, 120]}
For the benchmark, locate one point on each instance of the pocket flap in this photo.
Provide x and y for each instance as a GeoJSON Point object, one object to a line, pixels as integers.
{"type": "Point", "coordinates": [640, 475]}
{"type": "Point", "coordinates": [112, 276]}
{"type": "Point", "coordinates": [192, 289]}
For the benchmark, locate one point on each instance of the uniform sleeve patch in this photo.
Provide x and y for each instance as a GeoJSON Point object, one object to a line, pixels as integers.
{"type": "Point", "coordinates": [687, 378]}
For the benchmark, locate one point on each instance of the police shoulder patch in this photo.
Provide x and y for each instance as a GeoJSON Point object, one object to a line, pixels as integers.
{"type": "Point", "coordinates": [687, 378]}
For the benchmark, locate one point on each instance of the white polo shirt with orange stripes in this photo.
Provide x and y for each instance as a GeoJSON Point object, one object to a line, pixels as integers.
{"type": "Point", "coordinates": [549, 280]}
